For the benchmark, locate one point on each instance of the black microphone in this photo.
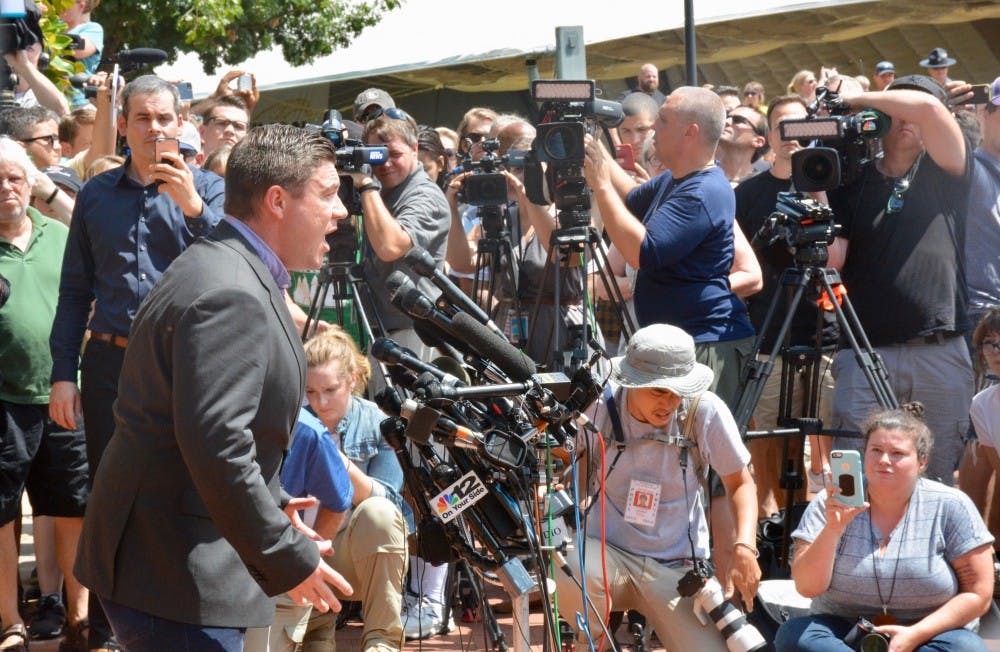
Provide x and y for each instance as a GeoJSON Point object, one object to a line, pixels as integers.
{"type": "Point", "coordinates": [79, 80]}
{"type": "Point", "coordinates": [486, 343]}
{"type": "Point", "coordinates": [388, 351]}
{"type": "Point", "coordinates": [142, 56]}
{"type": "Point", "coordinates": [412, 301]}
{"type": "Point", "coordinates": [423, 263]}
{"type": "Point", "coordinates": [456, 434]}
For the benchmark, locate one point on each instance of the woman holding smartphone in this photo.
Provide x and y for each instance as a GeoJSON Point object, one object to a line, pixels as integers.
{"type": "Point", "coordinates": [915, 559]}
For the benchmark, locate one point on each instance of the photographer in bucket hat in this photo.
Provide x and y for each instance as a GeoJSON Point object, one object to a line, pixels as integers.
{"type": "Point", "coordinates": [662, 430]}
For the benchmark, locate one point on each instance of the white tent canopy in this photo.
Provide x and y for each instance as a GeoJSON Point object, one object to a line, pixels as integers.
{"type": "Point", "coordinates": [423, 34]}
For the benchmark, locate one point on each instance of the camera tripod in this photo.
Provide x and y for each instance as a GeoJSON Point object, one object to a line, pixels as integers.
{"type": "Point", "coordinates": [579, 238]}
{"type": "Point", "coordinates": [825, 283]}
{"type": "Point", "coordinates": [495, 254]}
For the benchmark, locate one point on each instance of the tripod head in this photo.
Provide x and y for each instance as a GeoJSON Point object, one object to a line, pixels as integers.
{"type": "Point", "coordinates": [805, 225]}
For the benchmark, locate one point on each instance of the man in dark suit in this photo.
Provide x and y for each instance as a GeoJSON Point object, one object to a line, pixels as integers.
{"type": "Point", "coordinates": [184, 537]}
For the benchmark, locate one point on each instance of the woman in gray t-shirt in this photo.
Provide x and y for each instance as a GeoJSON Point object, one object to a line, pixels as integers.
{"type": "Point", "coordinates": [915, 559]}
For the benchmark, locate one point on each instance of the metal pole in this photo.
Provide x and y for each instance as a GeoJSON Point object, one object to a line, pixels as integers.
{"type": "Point", "coordinates": [690, 56]}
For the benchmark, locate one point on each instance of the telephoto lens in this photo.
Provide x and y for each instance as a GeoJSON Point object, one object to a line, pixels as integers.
{"type": "Point", "coordinates": [740, 635]}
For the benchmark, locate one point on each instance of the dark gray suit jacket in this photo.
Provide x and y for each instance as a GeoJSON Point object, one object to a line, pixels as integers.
{"type": "Point", "coordinates": [184, 520]}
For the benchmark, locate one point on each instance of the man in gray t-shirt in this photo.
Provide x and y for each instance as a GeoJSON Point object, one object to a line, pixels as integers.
{"type": "Point", "coordinates": [402, 208]}
{"type": "Point", "coordinates": [652, 502]}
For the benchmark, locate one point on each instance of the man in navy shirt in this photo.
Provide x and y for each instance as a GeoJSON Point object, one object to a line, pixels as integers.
{"type": "Point", "coordinates": [128, 225]}
{"type": "Point", "coordinates": [677, 231]}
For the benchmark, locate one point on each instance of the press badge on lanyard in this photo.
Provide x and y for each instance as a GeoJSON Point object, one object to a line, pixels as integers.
{"type": "Point", "coordinates": [643, 501]}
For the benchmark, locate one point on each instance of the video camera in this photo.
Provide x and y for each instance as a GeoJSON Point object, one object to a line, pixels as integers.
{"type": "Point", "coordinates": [852, 140]}
{"type": "Point", "coordinates": [352, 156]}
{"type": "Point", "coordinates": [487, 186]}
{"type": "Point", "coordinates": [805, 225]}
{"type": "Point", "coordinates": [569, 110]}
{"type": "Point", "coordinates": [19, 30]}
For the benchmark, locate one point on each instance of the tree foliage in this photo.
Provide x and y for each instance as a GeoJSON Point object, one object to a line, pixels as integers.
{"type": "Point", "coordinates": [231, 31]}
{"type": "Point", "coordinates": [56, 44]}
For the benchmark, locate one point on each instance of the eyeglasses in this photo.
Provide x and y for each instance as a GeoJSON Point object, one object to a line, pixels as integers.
{"type": "Point", "coordinates": [750, 94]}
{"type": "Point", "coordinates": [895, 203]}
{"type": "Point", "coordinates": [49, 140]}
{"type": "Point", "coordinates": [223, 124]}
{"type": "Point", "coordinates": [740, 120]}
{"type": "Point", "coordinates": [391, 112]}
{"type": "Point", "coordinates": [990, 346]}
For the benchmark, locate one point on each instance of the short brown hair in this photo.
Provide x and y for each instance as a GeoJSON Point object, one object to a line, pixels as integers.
{"type": "Point", "coordinates": [781, 100]}
{"type": "Point", "coordinates": [272, 155]}
{"type": "Point", "coordinates": [69, 124]}
{"type": "Point", "coordinates": [906, 419]}
{"type": "Point", "coordinates": [385, 128]}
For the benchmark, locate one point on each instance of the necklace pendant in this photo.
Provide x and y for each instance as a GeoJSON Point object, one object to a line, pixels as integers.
{"type": "Point", "coordinates": [884, 618]}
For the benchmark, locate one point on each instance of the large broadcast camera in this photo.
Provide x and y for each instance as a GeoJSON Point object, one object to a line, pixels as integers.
{"type": "Point", "coordinates": [487, 188]}
{"type": "Point", "coordinates": [852, 141]}
{"type": "Point", "coordinates": [568, 110]}
{"type": "Point", "coordinates": [352, 156]}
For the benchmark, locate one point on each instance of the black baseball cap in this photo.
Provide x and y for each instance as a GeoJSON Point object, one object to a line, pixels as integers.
{"type": "Point", "coordinates": [921, 83]}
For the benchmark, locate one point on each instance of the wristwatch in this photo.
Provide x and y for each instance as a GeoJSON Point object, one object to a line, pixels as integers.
{"type": "Point", "coordinates": [373, 184]}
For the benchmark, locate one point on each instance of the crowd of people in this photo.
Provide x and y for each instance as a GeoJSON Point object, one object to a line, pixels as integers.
{"type": "Point", "coordinates": [152, 372]}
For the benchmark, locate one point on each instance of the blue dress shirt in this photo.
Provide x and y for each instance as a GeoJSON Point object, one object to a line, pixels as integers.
{"type": "Point", "coordinates": [122, 237]}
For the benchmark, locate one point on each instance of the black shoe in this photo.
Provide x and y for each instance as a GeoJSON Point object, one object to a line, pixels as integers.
{"type": "Point", "coordinates": [75, 638]}
{"type": "Point", "coordinates": [50, 618]}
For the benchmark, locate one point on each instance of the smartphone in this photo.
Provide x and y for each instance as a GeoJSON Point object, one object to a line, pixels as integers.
{"type": "Point", "coordinates": [980, 94]}
{"type": "Point", "coordinates": [846, 468]}
{"type": "Point", "coordinates": [166, 145]}
{"type": "Point", "coordinates": [185, 91]}
{"type": "Point", "coordinates": [625, 157]}
{"type": "Point", "coordinates": [244, 83]}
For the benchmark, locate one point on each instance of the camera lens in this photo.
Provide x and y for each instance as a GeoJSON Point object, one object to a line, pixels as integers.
{"type": "Point", "coordinates": [874, 642]}
{"type": "Point", "coordinates": [562, 143]}
{"type": "Point", "coordinates": [817, 168]}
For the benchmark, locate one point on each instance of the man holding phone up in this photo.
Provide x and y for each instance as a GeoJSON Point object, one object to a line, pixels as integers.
{"type": "Point", "coordinates": [128, 225]}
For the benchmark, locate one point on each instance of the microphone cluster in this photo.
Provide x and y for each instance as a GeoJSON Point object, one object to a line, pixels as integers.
{"type": "Point", "coordinates": [496, 428]}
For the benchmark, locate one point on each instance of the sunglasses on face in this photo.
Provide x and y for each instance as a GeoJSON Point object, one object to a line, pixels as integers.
{"type": "Point", "coordinates": [751, 94]}
{"type": "Point", "coordinates": [740, 120]}
{"type": "Point", "coordinates": [391, 112]}
{"type": "Point", "coordinates": [475, 138]}
{"type": "Point", "coordinates": [990, 346]}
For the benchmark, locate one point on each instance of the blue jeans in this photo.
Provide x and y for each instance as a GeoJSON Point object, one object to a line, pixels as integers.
{"type": "Point", "coordinates": [137, 631]}
{"type": "Point", "coordinates": [825, 633]}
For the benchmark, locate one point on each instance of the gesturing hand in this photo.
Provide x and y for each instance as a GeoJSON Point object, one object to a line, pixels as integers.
{"type": "Point", "coordinates": [315, 589]}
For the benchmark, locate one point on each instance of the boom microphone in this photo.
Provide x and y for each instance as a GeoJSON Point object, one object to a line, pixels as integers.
{"type": "Point", "coordinates": [486, 343]}
{"type": "Point", "coordinates": [423, 263]}
{"type": "Point", "coordinates": [142, 56]}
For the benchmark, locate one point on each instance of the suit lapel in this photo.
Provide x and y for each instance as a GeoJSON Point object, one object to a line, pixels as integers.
{"type": "Point", "coordinates": [232, 238]}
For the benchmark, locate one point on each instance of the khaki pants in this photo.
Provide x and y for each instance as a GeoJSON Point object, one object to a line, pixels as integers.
{"type": "Point", "coordinates": [641, 583]}
{"type": "Point", "coordinates": [371, 555]}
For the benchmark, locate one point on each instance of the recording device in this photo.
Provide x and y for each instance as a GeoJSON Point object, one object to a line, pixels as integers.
{"type": "Point", "coordinates": [163, 145]}
{"type": "Point", "coordinates": [980, 94]}
{"type": "Point", "coordinates": [805, 225]}
{"type": "Point", "coordinates": [864, 638]}
{"type": "Point", "coordinates": [568, 110]}
{"type": "Point", "coordinates": [848, 477]}
{"type": "Point", "coordinates": [244, 83]}
{"type": "Point", "coordinates": [4, 290]}
{"type": "Point", "coordinates": [76, 41]}
{"type": "Point", "coordinates": [848, 142]}
{"type": "Point", "coordinates": [625, 157]}
{"type": "Point", "coordinates": [138, 57]}
{"type": "Point", "coordinates": [487, 186]}
{"type": "Point", "coordinates": [185, 91]}
{"type": "Point", "coordinates": [19, 28]}
{"type": "Point", "coordinates": [709, 603]}
{"type": "Point", "coordinates": [352, 156]}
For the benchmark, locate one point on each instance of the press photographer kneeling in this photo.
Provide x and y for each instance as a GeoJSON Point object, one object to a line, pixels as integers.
{"type": "Point", "coordinates": [662, 429]}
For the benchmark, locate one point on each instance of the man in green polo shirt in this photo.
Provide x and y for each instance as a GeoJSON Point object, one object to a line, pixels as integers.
{"type": "Point", "coordinates": [35, 453]}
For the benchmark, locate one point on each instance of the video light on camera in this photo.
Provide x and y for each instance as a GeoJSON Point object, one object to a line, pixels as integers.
{"type": "Point", "coordinates": [810, 129]}
{"type": "Point", "coordinates": [558, 90]}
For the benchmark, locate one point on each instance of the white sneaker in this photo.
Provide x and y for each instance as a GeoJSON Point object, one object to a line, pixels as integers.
{"type": "Point", "coordinates": [423, 619]}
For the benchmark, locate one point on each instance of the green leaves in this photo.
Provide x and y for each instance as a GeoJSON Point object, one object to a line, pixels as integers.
{"type": "Point", "coordinates": [231, 31]}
